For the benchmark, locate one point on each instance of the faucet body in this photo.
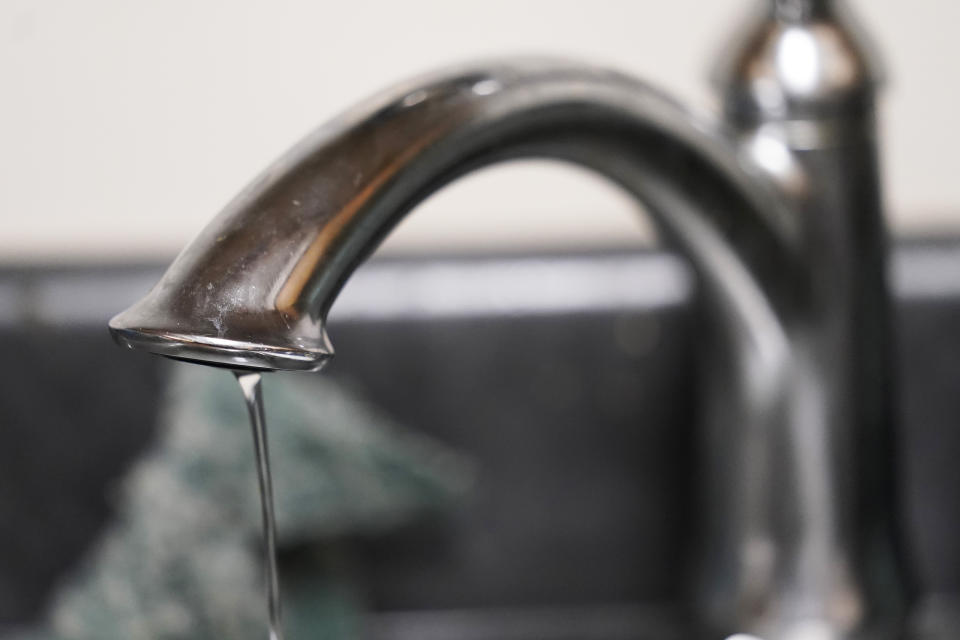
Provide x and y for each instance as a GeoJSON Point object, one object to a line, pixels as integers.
{"type": "Point", "coordinates": [779, 218]}
{"type": "Point", "coordinates": [799, 87]}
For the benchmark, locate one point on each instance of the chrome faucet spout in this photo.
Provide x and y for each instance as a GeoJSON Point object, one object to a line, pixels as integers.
{"type": "Point", "coordinates": [790, 549]}
{"type": "Point", "coordinates": [254, 287]}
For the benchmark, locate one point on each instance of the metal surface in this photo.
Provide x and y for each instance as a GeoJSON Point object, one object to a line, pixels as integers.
{"type": "Point", "coordinates": [254, 288]}
{"type": "Point", "coordinates": [796, 547]}
{"type": "Point", "coordinates": [799, 61]}
{"type": "Point", "coordinates": [799, 87]}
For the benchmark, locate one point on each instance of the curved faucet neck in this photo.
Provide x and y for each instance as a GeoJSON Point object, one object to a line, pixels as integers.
{"type": "Point", "coordinates": [267, 269]}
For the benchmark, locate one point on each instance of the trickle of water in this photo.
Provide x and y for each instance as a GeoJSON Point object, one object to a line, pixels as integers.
{"type": "Point", "coordinates": [250, 385]}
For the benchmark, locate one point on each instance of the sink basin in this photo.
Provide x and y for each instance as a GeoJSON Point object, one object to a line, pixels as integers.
{"type": "Point", "coordinates": [572, 401]}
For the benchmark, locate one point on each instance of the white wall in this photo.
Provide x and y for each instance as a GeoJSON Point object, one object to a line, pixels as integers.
{"type": "Point", "coordinates": [125, 125]}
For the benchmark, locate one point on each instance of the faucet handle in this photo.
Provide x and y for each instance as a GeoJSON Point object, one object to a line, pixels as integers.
{"type": "Point", "coordinates": [801, 60]}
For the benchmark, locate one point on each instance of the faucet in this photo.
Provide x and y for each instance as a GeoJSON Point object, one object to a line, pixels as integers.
{"type": "Point", "coordinates": [777, 208]}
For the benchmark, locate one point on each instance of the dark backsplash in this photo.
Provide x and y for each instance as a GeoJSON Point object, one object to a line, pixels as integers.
{"type": "Point", "coordinates": [580, 423]}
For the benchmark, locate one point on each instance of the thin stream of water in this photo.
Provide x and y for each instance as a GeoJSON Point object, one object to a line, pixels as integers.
{"type": "Point", "coordinates": [250, 385]}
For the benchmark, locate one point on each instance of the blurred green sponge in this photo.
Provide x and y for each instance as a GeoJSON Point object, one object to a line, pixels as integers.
{"type": "Point", "coordinates": [183, 559]}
